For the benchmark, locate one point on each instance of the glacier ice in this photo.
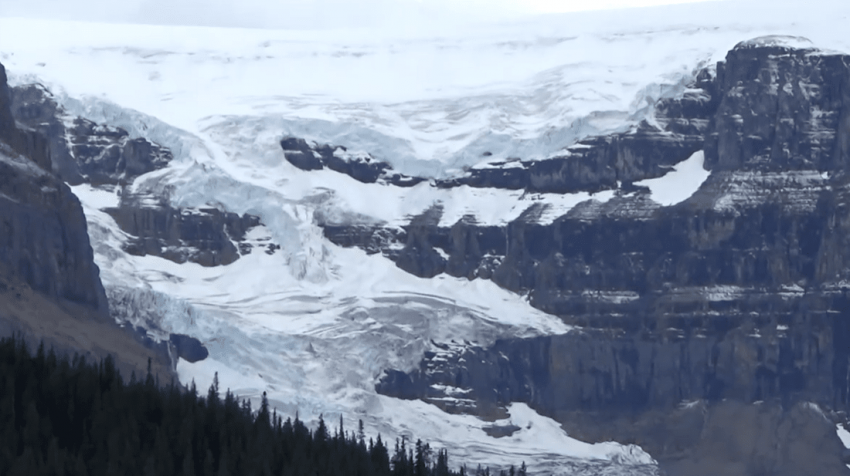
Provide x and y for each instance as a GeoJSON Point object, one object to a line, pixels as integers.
{"type": "Point", "coordinates": [315, 324]}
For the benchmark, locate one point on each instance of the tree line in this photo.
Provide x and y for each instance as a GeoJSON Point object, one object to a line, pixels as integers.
{"type": "Point", "coordinates": [61, 416]}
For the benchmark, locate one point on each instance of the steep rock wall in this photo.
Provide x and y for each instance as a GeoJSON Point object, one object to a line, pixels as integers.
{"type": "Point", "coordinates": [50, 288]}
{"type": "Point", "coordinates": [44, 240]}
{"type": "Point", "coordinates": [736, 296]}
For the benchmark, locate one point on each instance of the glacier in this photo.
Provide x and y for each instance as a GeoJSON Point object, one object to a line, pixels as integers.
{"type": "Point", "coordinates": [314, 325]}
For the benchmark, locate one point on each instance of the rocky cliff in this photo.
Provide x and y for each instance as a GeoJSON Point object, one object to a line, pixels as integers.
{"type": "Point", "coordinates": [737, 294]}
{"type": "Point", "coordinates": [45, 241]}
{"type": "Point", "coordinates": [23, 141]}
{"type": "Point", "coordinates": [81, 150]}
{"type": "Point", "coordinates": [205, 236]}
{"type": "Point", "coordinates": [107, 158]}
{"type": "Point", "coordinates": [50, 288]}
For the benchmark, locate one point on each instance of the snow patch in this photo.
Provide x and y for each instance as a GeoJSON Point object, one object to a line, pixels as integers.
{"type": "Point", "coordinates": [844, 436]}
{"type": "Point", "coordinates": [679, 184]}
{"type": "Point", "coordinates": [97, 197]}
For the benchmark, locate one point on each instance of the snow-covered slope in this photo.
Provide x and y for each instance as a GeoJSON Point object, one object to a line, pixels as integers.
{"type": "Point", "coordinates": [314, 325]}
{"type": "Point", "coordinates": [424, 104]}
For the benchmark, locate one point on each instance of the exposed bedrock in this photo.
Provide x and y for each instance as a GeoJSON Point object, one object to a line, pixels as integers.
{"type": "Point", "coordinates": [712, 331]}
{"type": "Point", "coordinates": [596, 163]}
{"type": "Point", "coordinates": [712, 358]}
{"type": "Point", "coordinates": [206, 236]}
{"type": "Point", "coordinates": [362, 167]}
{"type": "Point", "coordinates": [781, 109]}
{"type": "Point", "coordinates": [22, 140]}
{"type": "Point", "coordinates": [50, 288]}
{"type": "Point", "coordinates": [43, 235]}
{"type": "Point", "coordinates": [188, 348]}
{"type": "Point", "coordinates": [81, 150]}
{"type": "Point", "coordinates": [679, 391]}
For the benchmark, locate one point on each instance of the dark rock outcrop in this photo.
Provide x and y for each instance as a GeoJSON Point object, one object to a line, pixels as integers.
{"type": "Point", "coordinates": [782, 109]}
{"type": "Point", "coordinates": [81, 150]}
{"type": "Point", "coordinates": [206, 236]}
{"type": "Point", "coordinates": [363, 168]}
{"type": "Point", "coordinates": [593, 164]}
{"type": "Point", "coordinates": [23, 141]}
{"type": "Point", "coordinates": [188, 348]}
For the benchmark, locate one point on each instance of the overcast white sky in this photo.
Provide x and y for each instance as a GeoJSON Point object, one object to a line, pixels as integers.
{"type": "Point", "coordinates": [303, 14]}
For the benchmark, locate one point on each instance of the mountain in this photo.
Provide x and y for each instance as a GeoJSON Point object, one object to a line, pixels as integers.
{"type": "Point", "coordinates": [735, 291]}
{"type": "Point", "coordinates": [603, 243]}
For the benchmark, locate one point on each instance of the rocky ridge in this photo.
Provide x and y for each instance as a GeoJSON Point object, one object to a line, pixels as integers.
{"type": "Point", "coordinates": [45, 241]}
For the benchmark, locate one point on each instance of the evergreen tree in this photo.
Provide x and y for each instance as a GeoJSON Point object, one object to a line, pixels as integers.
{"type": "Point", "coordinates": [69, 417]}
{"type": "Point", "coordinates": [320, 436]}
{"type": "Point", "coordinates": [420, 466]}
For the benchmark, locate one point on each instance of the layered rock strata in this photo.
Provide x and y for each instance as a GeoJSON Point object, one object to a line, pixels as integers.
{"type": "Point", "coordinates": [206, 236]}
{"type": "Point", "coordinates": [50, 288]}
{"type": "Point", "coordinates": [735, 296]}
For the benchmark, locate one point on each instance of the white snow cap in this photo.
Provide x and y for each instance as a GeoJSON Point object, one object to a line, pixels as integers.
{"type": "Point", "coordinates": [779, 41]}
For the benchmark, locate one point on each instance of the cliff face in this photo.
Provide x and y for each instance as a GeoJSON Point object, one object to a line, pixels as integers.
{"type": "Point", "coordinates": [81, 150]}
{"type": "Point", "coordinates": [738, 294]}
{"type": "Point", "coordinates": [107, 157]}
{"type": "Point", "coordinates": [781, 109]}
{"type": "Point", "coordinates": [44, 240]}
{"type": "Point", "coordinates": [679, 395]}
{"type": "Point", "coordinates": [204, 236]}
{"type": "Point", "coordinates": [26, 142]}
{"type": "Point", "coordinates": [50, 288]}
{"type": "Point", "coordinates": [765, 228]}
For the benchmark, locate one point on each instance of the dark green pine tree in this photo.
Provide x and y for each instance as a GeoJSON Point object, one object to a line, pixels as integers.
{"type": "Point", "coordinates": [420, 465]}
{"type": "Point", "coordinates": [74, 418]}
{"type": "Point", "coordinates": [442, 467]}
